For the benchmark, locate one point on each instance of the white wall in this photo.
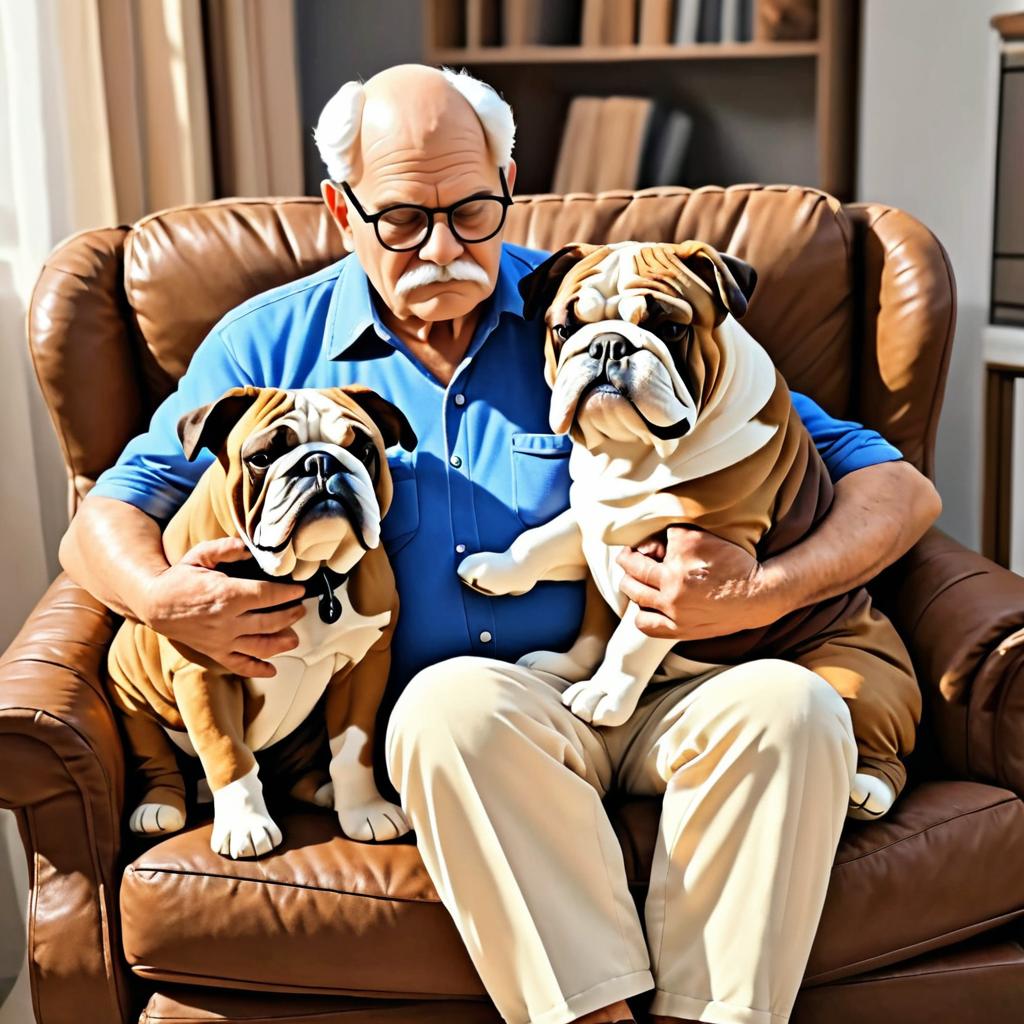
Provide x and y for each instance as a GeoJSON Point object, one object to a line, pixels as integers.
{"type": "Point", "coordinates": [927, 145]}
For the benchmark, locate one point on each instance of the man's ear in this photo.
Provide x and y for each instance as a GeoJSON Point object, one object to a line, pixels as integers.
{"type": "Point", "coordinates": [730, 279]}
{"type": "Point", "coordinates": [541, 284]}
{"type": "Point", "coordinates": [390, 420]}
{"type": "Point", "coordinates": [209, 425]}
{"type": "Point", "coordinates": [334, 199]}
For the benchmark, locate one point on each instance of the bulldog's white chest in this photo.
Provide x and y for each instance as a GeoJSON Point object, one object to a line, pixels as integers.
{"type": "Point", "coordinates": [287, 699]}
{"type": "Point", "coordinates": [324, 649]}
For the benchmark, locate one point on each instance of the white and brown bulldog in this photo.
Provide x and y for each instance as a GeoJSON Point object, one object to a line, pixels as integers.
{"type": "Point", "coordinates": [302, 477]}
{"type": "Point", "coordinates": [679, 417]}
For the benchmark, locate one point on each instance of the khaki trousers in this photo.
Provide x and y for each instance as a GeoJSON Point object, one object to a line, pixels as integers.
{"type": "Point", "coordinates": [503, 785]}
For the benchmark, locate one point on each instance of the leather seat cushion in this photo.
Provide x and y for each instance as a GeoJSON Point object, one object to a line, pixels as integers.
{"type": "Point", "coordinates": [978, 980]}
{"type": "Point", "coordinates": [326, 915]}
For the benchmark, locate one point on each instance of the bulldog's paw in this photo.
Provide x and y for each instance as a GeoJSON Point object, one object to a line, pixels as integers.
{"type": "Point", "coordinates": [242, 825]}
{"type": "Point", "coordinates": [246, 834]}
{"type": "Point", "coordinates": [373, 821]}
{"type": "Point", "coordinates": [494, 573]}
{"type": "Point", "coordinates": [152, 819]}
{"type": "Point", "coordinates": [870, 797]}
{"type": "Point", "coordinates": [562, 665]}
{"type": "Point", "coordinates": [603, 700]}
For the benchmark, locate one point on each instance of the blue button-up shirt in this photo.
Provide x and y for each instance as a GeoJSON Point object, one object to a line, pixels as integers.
{"type": "Point", "coordinates": [485, 468]}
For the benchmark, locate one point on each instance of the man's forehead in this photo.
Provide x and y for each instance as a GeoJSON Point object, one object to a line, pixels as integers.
{"type": "Point", "coordinates": [426, 188]}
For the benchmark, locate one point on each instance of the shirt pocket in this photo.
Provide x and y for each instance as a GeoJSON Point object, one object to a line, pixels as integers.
{"type": "Point", "coordinates": [540, 476]}
{"type": "Point", "coordinates": [402, 521]}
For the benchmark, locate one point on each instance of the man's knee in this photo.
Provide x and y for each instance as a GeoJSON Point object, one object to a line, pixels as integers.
{"type": "Point", "coordinates": [449, 701]}
{"type": "Point", "coordinates": [786, 699]}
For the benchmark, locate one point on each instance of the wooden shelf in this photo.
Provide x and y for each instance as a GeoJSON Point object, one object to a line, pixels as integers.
{"type": "Point", "coordinates": [599, 54]}
{"type": "Point", "coordinates": [771, 109]}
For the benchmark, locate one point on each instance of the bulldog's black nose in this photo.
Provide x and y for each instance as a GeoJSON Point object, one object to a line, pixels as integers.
{"type": "Point", "coordinates": [610, 346]}
{"type": "Point", "coordinates": [321, 465]}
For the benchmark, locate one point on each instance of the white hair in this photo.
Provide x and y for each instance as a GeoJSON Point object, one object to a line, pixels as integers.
{"type": "Point", "coordinates": [338, 128]}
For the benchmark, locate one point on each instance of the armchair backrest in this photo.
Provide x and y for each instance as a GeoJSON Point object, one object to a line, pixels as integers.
{"type": "Point", "coordinates": [856, 303]}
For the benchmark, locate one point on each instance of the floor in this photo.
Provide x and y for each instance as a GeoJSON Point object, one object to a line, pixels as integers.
{"type": "Point", "coordinates": [16, 1008]}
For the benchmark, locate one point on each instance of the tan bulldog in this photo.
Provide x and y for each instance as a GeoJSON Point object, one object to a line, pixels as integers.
{"type": "Point", "coordinates": [302, 477]}
{"type": "Point", "coordinates": [679, 416]}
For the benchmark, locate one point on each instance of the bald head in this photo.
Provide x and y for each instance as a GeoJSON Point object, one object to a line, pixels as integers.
{"type": "Point", "coordinates": [419, 105]}
{"type": "Point", "coordinates": [440, 129]}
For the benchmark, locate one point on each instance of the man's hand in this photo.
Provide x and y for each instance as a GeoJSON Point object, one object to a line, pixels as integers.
{"type": "Point", "coordinates": [115, 551]}
{"type": "Point", "coordinates": [691, 585]}
{"type": "Point", "coordinates": [224, 618]}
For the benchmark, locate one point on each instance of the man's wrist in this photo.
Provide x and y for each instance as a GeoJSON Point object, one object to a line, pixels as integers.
{"type": "Point", "coordinates": [141, 600]}
{"type": "Point", "coordinates": [776, 591]}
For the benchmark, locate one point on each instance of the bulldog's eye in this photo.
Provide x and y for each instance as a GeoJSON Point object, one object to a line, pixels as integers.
{"type": "Point", "coordinates": [572, 322]}
{"type": "Point", "coordinates": [258, 460]}
{"type": "Point", "coordinates": [365, 451]}
{"type": "Point", "coordinates": [674, 330]}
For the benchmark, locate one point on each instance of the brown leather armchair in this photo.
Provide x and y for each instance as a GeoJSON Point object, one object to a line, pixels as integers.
{"type": "Point", "coordinates": [925, 911]}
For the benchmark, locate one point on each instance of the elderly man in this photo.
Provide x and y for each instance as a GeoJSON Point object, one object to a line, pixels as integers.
{"type": "Point", "coordinates": [502, 783]}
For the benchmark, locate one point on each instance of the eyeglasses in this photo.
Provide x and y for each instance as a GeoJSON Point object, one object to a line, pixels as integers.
{"type": "Point", "coordinates": [405, 226]}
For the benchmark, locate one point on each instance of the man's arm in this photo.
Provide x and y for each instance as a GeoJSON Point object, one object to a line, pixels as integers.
{"type": "Point", "coordinates": [113, 547]}
{"type": "Point", "coordinates": [696, 585]}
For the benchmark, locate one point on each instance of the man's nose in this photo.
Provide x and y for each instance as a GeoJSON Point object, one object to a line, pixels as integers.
{"type": "Point", "coordinates": [442, 246]}
{"type": "Point", "coordinates": [610, 346]}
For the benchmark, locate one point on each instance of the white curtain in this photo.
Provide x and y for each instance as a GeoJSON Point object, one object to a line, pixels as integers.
{"type": "Point", "coordinates": [106, 114]}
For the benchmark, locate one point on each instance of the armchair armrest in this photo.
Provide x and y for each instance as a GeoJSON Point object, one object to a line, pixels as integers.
{"type": "Point", "coordinates": [62, 773]}
{"type": "Point", "coordinates": [962, 618]}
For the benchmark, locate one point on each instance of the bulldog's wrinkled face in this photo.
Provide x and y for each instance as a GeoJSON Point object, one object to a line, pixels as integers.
{"type": "Point", "coordinates": [306, 473]}
{"type": "Point", "coordinates": [631, 347]}
{"type": "Point", "coordinates": [313, 475]}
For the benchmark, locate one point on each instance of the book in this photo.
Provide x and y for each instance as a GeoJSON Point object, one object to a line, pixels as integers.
{"type": "Point", "coordinates": [746, 21]}
{"type": "Point", "coordinates": [655, 22]}
{"type": "Point", "coordinates": [730, 27]}
{"type": "Point", "coordinates": [710, 28]}
{"type": "Point", "coordinates": [684, 31]}
{"type": "Point", "coordinates": [619, 23]}
{"type": "Point", "coordinates": [665, 158]}
{"type": "Point", "coordinates": [619, 143]}
{"type": "Point", "coordinates": [592, 26]}
{"type": "Point", "coordinates": [573, 167]}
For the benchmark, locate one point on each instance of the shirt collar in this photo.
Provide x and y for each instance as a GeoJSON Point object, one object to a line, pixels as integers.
{"type": "Point", "coordinates": [352, 312]}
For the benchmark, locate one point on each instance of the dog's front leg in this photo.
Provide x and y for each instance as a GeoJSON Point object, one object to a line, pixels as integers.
{"type": "Point", "coordinates": [351, 711]}
{"type": "Point", "coordinates": [612, 694]}
{"type": "Point", "coordinates": [583, 658]}
{"type": "Point", "coordinates": [212, 707]}
{"type": "Point", "coordinates": [553, 551]}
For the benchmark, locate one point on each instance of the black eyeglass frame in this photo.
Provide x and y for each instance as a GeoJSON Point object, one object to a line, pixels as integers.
{"type": "Point", "coordinates": [429, 211]}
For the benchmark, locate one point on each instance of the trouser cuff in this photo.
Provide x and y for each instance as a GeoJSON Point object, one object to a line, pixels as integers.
{"type": "Point", "coordinates": [604, 994]}
{"type": "Point", "coordinates": [670, 1004]}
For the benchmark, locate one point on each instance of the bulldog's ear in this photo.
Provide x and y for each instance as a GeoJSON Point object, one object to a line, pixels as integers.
{"type": "Point", "coordinates": [209, 425]}
{"type": "Point", "coordinates": [730, 278]}
{"type": "Point", "coordinates": [541, 284]}
{"type": "Point", "coordinates": [390, 420]}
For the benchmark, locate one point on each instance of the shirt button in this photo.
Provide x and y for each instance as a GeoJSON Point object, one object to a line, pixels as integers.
{"type": "Point", "coordinates": [460, 549]}
{"type": "Point", "coordinates": [485, 637]}
{"type": "Point", "coordinates": [455, 461]}
{"type": "Point", "coordinates": [460, 399]}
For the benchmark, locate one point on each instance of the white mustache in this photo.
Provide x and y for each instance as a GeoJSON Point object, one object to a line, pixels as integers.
{"type": "Point", "coordinates": [461, 269]}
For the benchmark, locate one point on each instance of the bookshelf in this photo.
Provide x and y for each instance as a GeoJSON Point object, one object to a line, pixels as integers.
{"type": "Point", "coordinates": [769, 110]}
